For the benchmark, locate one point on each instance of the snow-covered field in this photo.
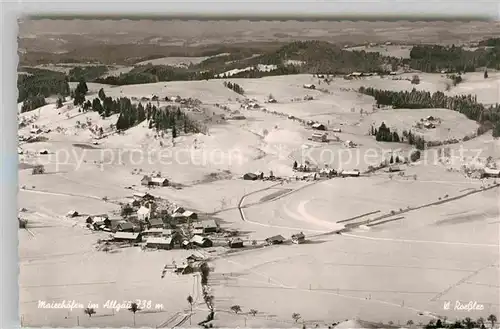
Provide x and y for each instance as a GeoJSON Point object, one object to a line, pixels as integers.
{"type": "Point", "coordinates": [389, 269]}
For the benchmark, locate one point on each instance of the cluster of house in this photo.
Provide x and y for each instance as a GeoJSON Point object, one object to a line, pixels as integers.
{"type": "Point", "coordinates": [428, 123]}
{"type": "Point", "coordinates": [259, 175]}
{"type": "Point", "coordinates": [144, 221]}
{"type": "Point", "coordinates": [154, 181]}
{"type": "Point", "coordinates": [298, 238]}
{"type": "Point", "coordinates": [325, 172]}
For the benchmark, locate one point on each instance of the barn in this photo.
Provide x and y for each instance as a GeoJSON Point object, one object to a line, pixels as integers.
{"type": "Point", "coordinates": [200, 241]}
{"type": "Point", "coordinates": [320, 137]}
{"type": "Point", "coordinates": [319, 126]}
{"type": "Point", "coordinates": [160, 243]}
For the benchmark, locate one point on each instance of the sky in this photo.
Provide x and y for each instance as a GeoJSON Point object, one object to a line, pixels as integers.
{"type": "Point", "coordinates": [285, 7]}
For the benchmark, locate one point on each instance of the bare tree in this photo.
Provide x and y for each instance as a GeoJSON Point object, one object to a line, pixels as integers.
{"type": "Point", "coordinates": [493, 319]}
{"type": "Point", "coordinates": [236, 309]}
{"type": "Point", "coordinates": [296, 317]}
{"type": "Point", "coordinates": [134, 308]}
{"type": "Point", "coordinates": [190, 301]}
{"type": "Point", "coordinates": [89, 311]}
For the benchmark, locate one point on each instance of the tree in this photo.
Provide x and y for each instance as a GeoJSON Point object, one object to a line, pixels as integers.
{"type": "Point", "coordinates": [253, 312]}
{"type": "Point", "coordinates": [82, 87]}
{"type": "Point", "coordinates": [493, 319]}
{"type": "Point", "coordinates": [174, 132]}
{"type": "Point", "coordinates": [78, 98]}
{"type": "Point", "coordinates": [87, 105]}
{"type": "Point", "coordinates": [415, 80]}
{"type": "Point", "coordinates": [236, 309]}
{"type": "Point", "coordinates": [101, 94]}
{"type": "Point", "coordinates": [127, 210]}
{"type": "Point", "coordinates": [486, 74]}
{"type": "Point", "coordinates": [468, 323]}
{"type": "Point", "coordinates": [134, 308]}
{"type": "Point", "coordinates": [296, 317]}
{"type": "Point", "coordinates": [89, 311]}
{"type": "Point", "coordinates": [190, 302]}
{"type": "Point", "coordinates": [439, 323]}
{"type": "Point", "coordinates": [480, 322]}
{"type": "Point", "coordinates": [38, 170]}
{"type": "Point", "coordinates": [391, 161]}
{"type": "Point", "coordinates": [59, 102]}
{"type": "Point", "coordinates": [295, 165]}
{"type": "Point", "coordinates": [409, 322]}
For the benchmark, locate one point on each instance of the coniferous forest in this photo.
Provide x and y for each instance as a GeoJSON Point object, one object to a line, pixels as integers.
{"type": "Point", "coordinates": [131, 114]}
{"type": "Point", "coordinates": [487, 116]}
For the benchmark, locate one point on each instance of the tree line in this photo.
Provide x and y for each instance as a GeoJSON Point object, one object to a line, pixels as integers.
{"type": "Point", "coordinates": [487, 116]}
{"type": "Point", "coordinates": [40, 82]}
{"type": "Point", "coordinates": [435, 58]}
{"type": "Point", "coordinates": [234, 87]}
{"type": "Point", "coordinates": [384, 134]}
{"type": "Point", "coordinates": [87, 73]}
{"type": "Point", "coordinates": [156, 73]}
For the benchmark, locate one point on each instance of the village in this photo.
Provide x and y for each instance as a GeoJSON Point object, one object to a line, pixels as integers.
{"type": "Point", "coordinates": [287, 184]}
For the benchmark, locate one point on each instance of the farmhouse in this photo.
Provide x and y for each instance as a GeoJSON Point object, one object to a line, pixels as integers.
{"type": "Point", "coordinates": [124, 226]}
{"type": "Point", "coordinates": [143, 196]}
{"type": "Point", "coordinates": [309, 86]}
{"type": "Point", "coordinates": [201, 241]}
{"type": "Point", "coordinates": [319, 126]}
{"type": "Point", "coordinates": [189, 214]}
{"type": "Point", "coordinates": [236, 243]}
{"type": "Point", "coordinates": [319, 137]}
{"type": "Point", "coordinates": [347, 173]}
{"type": "Point", "coordinates": [250, 176]}
{"type": "Point", "coordinates": [277, 239]}
{"type": "Point", "coordinates": [153, 232]}
{"type": "Point", "coordinates": [72, 213]}
{"type": "Point", "coordinates": [298, 238]}
{"type": "Point", "coordinates": [155, 223]}
{"type": "Point", "coordinates": [160, 243]}
{"type": "Point", "coordinates": [489, 172]}
{"type": "Point", "coordinates": [127, 237]}
{"type": "Point", "coordinates": [158, 181]}
{"type": "Point", "coordinates": [337, 130]}
{"type": "Point", "coordinates": [154, 181]}
{"type": "Point", "coordinates": [209, 226]}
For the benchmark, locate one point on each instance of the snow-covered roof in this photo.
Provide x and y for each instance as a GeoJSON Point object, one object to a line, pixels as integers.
{"type": "Point", "coordinates": [188, 213]}
{"type": "Point", "coordinates": [198, 239]}
{"type": "Point", "coordinates": [126, 235]}
{"type": "Point", "coordinates": [159, 241]}
{"type": "Point", "coordinates": [158, 180]}
{"type": "Point", "coordinates": [177, 214]}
